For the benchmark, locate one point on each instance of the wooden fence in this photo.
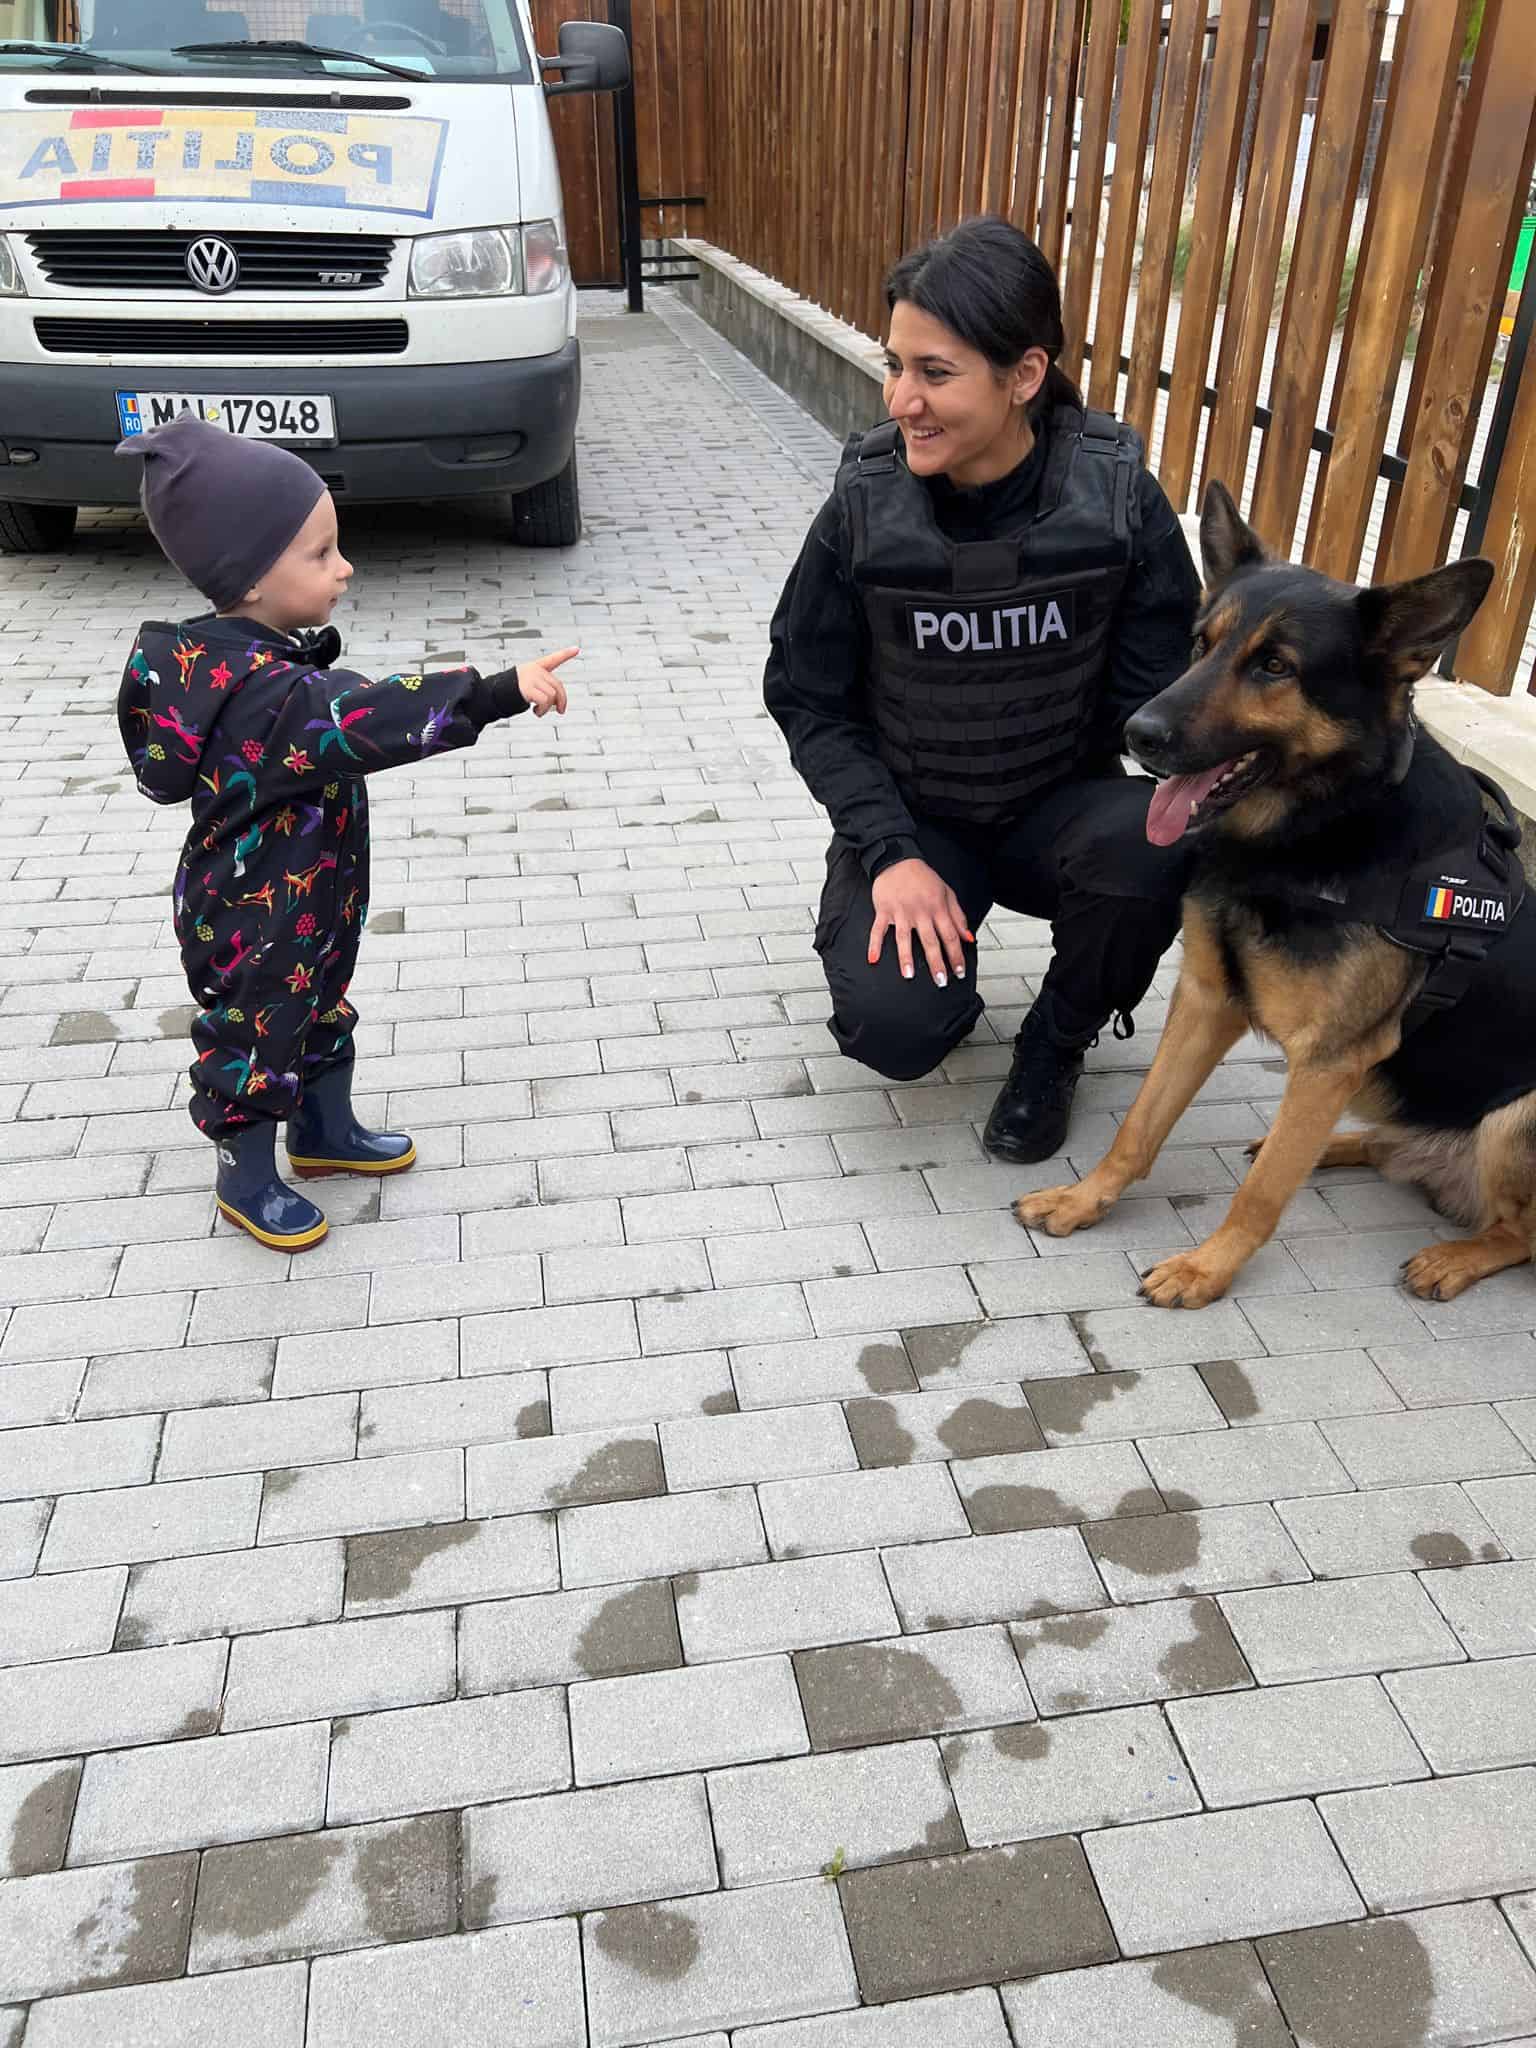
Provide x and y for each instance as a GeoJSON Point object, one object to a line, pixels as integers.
{"type": "Point", "coordinates": [1328, 241]}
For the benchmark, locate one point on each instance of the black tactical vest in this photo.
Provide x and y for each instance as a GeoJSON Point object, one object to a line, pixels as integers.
{"type": "Point", "coordinates": [987, 656]}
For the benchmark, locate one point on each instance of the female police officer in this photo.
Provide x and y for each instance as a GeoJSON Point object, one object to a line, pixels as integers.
{"type": "Point", "coordinates": [992, 589]}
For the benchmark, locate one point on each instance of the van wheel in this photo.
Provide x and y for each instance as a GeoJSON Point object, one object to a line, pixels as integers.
{"type": "Point", "coordinates": [548, 516]}
{"type": "Point", "coordinates": [36, 529]}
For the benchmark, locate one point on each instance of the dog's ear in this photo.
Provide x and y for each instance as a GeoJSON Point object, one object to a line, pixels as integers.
{"type": "Point", "coordinates": [1227, 541]}
{"type": "Point", "coordinates": [1405, 625]}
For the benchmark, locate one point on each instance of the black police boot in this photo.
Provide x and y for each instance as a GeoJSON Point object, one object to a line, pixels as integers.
{"type": "Point", "coordinates": [325, 1137]}
{"type": "Point", "coordinates": [250, 1194]}
{"type": "Point", "coordinates": [1029, 1118]}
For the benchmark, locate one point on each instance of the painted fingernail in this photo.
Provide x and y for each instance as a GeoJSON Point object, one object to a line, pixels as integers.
{"type": "Point", "coordinates": [971, 936]}
{"type": "Point", "coordinates": [906, 974]}
{"type": "Point", "coordinates": [960, 969]}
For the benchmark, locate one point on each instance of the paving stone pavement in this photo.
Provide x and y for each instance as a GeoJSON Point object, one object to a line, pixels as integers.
{"type": "Point", "coordinates": [681, 1565]}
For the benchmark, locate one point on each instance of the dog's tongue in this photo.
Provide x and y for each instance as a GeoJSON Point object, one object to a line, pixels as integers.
{"type": "Point", "coordinates": [1174, 799]}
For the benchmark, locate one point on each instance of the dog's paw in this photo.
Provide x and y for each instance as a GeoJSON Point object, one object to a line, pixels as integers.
{"type": "Point", "coordinates": [1060, 1211]}
{"type": "Point", "coordinates": [1254, 1147]}
{"type": "Point", "coordinates": [1184, 1281]}
{"type": "Point", "coordinates": [1442, 1271]}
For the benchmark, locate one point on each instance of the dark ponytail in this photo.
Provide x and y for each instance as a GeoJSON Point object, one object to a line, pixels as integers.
{"type": "Point", "coordinates": [990, 284]}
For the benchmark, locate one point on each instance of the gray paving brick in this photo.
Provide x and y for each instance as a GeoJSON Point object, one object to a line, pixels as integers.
{"type": "Point", "coordinates": [342, 1888]}
{"type": "Point", "coordinates": [554, 1638]}
{"type": "Point", "coordinates": [1430, 1844]}
{"type": "Point", "coordinates": [785, 1820]}
{"type": "Point", "coordinates": [1263, 1463]}
{"type": "Point", "coordinates": [457, 1754]}
{"type": "Point", "coordinates": [196, 1376]}
{"type": "Point", "coordinates": [1508, 1506]}
{"type": "Point", "coordinates": [369, 1493]}
{"type": "Point", "coordinates": [607, 1174]}
{"type": "Point", "coordinates": [346, 1359]}
{"type": "Point", "coordinates": [774, 1444]}
{"type": "Point", "coordinates": [1147, 1557]}
{"type": "Point", "coordinates": [857, 1510]}
{"type": "Point", "coordinates": [264, 2005]}
{"type": "Point", "coordinates": [189, 1795]}
{"type": "Point", "coordinates": [972, 1919]}
{"type": "Point", "coordinates": [1110, 1657]}
{"type": "Point", "coordinates": [689, 1532]}
{"type": "Point", "coordinates": [46, 1392]}
{"type": "Point", "coordinates": [1044, 1489]}
{"type": "Point", "coordinates": [826, 1368]}
{"type": "Point", "coordinates": [526, 1339]}
{"type": "Point", "coordinates": [574, 1852]}
{"type": "Point", "coordinates": [119, 1923]}
{"type": "Point", "coordinates": [1468, 1442]}
{"type": "Point", "coordinates": [514, 1987]}
{"type": "Point", "coordinates": [1194, 1998]}
{"type": "Point", "coordinates": [73, 1614]}
{"type": "Point", "coordinates": [774, 1952]}
{"type": "Point", "coordinates": [1521, 1915]}
{"type": "Point", "coordinates": [441, 1414]}
{"type": "Point", "coordinates": [992, 1578]}
{"type": "Point", "coordinates": [1085, 1280]}
{"type": "Point", "coordinates": [1044, 1778]}
{"type": "Point", "coordinates": [663, 1390]}
{"type": "Point", "coordinates": [1306, 1387]}
{"type": "Point", "coordinates": [862, 1198]}
{"type": "Point", "coordinates": [1521, 1417]}
{"type": "Point", "coordinates": [734, 1315]}
{"type": "Point", "coordinates": [1294, 1740]}
{"type": "Point", "coordinates": [1012, 1348]}
{"type": "Point", "coordinates": [1492, 1607]}
{"type": "Point", "coordinates": [1390, 1529]}
{"type": "Point", "coordinates": [1460, 1369]}
{"type": "Point", "coordinates": [287, 1308]}
{"type": "Point", "coordinates": [1220, 1876]}
{"type": "Point", "coordinates": [893, 1690]}
{"type": "Point", "coordinates": [37, 1804]}
{"type": "Point", "coordinates": [449, 1563]}
{"type": "Point", "coordinates": [407, 1294]}
{"type": "Point", "coordinates": [964, 2019]}
{"type": "Point", "coordinates": [1471, 1717]}
{"type": "Point", "coordinates": [1094, 1407]}
{"type": "Point", "coordinates": [934, 1295]}
{"type": "Point", "coordinates": [1452, 1974]}
{"type": "Point", "coordinates": [1336, 1628]}
{"type": "Point", "coordinates": [340, 1667]}
{"type": "Point", "coordinates": [133, 1697]}
{"type": "Point", "coordinates": [1334, 1322]}
{"type": "Point", "coordinates": [668, 1721]}
{"type": "Point", "coordinates": [1120, 1339]}
{"type": "Point", "coordinates": [789, 1606]}
{"type": "Point", "coordinates": [133, 1524]}
{"type": "Point", "coordinates": [70, 1457]}
{"type": "Point", "coordinates": [564, 1471]}
{"type": "Point", "coordinates": [258, 1435]}
{"type": "Point", "coordinates": [905, 1429]}
{"type": "Point", "coordinates": [230, 1593]}
{"type": "Point", "coordinates": [22, 1527]}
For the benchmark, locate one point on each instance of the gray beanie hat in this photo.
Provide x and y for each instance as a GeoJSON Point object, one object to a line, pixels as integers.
{"type": "Point", "coordinates": [222, 508]}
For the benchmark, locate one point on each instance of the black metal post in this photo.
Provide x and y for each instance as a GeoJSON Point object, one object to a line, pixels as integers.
{"type": "Point", "coordinates": [628, 152]}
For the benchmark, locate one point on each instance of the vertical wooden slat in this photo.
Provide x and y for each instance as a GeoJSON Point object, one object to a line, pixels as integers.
{"type": "Point", "coordinates": [955, 104]}
{"type": "Point", "coordinates": [916, 119]}
{"type": "Point", "coordinates": [1317, 264]}
{"type": "Point", "coordinates": [1490, 648]}
{"type": "Point", "coordinates": [1066, 51]}
{"type": "Point", "coordinates": [1428, 48]}
{"type": "Point", "coordinates": [1473, 261]}
{"type": "Point", "coordinates": [1003, 74]}
{"type": "Point", "coordinates": [1088, 189]}
{"type": "Point", "coordinates": [973, 175]}
{"type": "Point", "coordinates": [1136, 85]}
{"type": "Point", "coordinates": [1260, 243]}
{"type": "Point", "coordinates": [1170, 168]}
{"type": "Point", "coordinates": [1023, 199]}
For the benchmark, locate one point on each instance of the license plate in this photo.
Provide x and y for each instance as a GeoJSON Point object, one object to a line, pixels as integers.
{"type": "Point", "coordinates": [304, 421]}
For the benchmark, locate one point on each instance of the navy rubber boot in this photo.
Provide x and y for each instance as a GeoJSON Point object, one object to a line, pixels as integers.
{"type": "Point", "coordinates": [325, 1137]}
{"type": "Point", "coordinates": [251, 1195]}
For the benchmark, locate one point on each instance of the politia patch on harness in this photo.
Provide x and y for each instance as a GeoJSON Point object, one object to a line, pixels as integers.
{"type": "Point", "coordinates": [1046, 621]}
{"type": "Point", "coordinates": [1450, 900]}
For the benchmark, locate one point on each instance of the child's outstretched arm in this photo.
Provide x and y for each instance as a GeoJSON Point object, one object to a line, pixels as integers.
{"type": "Point", "coordinates": [334, 721]}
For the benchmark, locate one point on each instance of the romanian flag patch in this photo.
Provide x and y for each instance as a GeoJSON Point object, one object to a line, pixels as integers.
{"type": "Point", "coordinates": [1438, 903]}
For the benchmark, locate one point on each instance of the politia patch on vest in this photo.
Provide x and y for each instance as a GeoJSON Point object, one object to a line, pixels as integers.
{"type": "Point", "coordinates": [1449, 902]}
{"type": "Point", "coordinates": [993, 629]}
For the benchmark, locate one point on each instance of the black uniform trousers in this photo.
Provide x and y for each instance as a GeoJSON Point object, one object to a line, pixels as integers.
{"type": "Point", "coordinates": [1079, 856]}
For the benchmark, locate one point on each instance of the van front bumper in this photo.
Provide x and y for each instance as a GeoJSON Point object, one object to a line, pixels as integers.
{"type": "Point", "coordinates": [405, 432]}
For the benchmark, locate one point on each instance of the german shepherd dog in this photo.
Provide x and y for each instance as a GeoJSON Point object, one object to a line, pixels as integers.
{"type": "Point", "coordinates": [1290, 747]}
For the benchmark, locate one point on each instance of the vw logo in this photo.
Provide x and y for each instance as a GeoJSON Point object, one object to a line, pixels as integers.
{"type": "Point", "coordinates": [213, 265]}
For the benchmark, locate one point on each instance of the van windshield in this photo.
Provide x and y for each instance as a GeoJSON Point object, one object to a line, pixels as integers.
{"type": "Point", "coordinates": [441, 39]}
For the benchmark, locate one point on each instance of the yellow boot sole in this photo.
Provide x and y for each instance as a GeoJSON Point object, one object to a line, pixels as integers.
{"type": "Point", "coordinates": [314, 1169]}
{"type": "Point", "coordinates": [299, 1241]}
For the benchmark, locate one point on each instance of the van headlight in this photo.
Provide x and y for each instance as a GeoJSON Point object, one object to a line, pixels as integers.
{"type": "Point", "coordinates": [488, 263]}
{"type": "Point", "coordinates": [11, 285]}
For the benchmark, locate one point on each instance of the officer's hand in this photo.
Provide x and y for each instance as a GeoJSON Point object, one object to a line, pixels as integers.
{"type": "Point", "coordinates": [911, 898]}
{"type": "Point", "coordinates": [538, 684]}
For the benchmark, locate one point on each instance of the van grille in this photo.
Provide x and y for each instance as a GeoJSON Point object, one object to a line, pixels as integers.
{"type": "Point", "coordinates": [223, 337]}
{"type": "Point", "coordinates": [116, 260]}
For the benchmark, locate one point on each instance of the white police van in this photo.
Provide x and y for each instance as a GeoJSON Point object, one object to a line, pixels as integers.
{"type": "Point", "coordinates": [331, 223]}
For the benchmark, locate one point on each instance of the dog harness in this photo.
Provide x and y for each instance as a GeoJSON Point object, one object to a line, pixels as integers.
{"type": "Point", "coordinates": [986, 656]}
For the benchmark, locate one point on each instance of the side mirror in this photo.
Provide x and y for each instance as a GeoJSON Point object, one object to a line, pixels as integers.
{"type": "Point", "coordinates": [594, 57]}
